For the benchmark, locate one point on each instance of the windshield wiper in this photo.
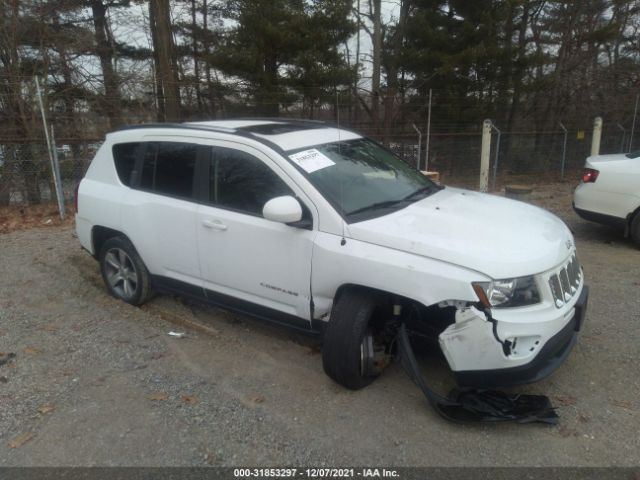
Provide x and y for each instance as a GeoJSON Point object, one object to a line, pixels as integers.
{"type": "Point", "coordinates": [378, 205]}
{"type": "Point", "coordinates": [426, 191]}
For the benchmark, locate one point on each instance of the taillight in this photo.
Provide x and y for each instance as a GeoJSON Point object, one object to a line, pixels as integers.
{"type": "Point", "coordinates": [589, 175]}
{"type": "Point", "coordinates": [75, 197]}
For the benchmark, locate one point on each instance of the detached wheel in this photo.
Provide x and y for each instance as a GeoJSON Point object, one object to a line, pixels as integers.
{"type": "Point", "coordinates": [123, 271]}
{"type": "Point", "coordinates": [348, 352]}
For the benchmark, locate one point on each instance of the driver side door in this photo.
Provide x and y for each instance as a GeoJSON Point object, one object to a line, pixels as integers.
{"type": "Point", "coordinates": [250, 263]}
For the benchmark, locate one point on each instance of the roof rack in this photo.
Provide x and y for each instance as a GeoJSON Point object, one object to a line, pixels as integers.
{"type": "Point", "coordinates": [240, 131]}
{"type": "Point", "coordinates": [186, 126]}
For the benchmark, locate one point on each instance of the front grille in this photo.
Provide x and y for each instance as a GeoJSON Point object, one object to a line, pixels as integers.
{"type": "Point", "coordinates": [565, 282]}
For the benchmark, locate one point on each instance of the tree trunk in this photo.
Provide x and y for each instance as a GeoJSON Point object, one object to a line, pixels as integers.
{"type": "Point", "coordinates": [105, 50]}
{"type": "Point", "coordinates": [377, 53]}
{"type": "Point", "coordinates": [165, 60]}
{"type": "Point", "coordinates": [211, 98]}
{"type": "Point", "coordinates": [196, 60]}
{"type": "Point", "coordinates": [392, 61]}
{"type": "Point", "coordinates": [269, 102]}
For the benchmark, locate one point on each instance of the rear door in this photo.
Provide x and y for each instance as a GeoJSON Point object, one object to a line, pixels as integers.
{"type": "Point", "coordinates": [265, 266]}
{"type": "Point", "coordinates": [160, 211]}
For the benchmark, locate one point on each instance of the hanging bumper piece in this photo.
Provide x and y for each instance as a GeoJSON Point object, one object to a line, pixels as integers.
{"type": "Point", "coordinates": [473, 405]}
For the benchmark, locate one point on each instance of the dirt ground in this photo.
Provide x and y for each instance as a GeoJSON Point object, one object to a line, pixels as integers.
{"type": "Point", "coordinates": [97, 382]}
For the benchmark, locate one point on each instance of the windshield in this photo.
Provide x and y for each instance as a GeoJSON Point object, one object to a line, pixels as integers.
{"type": "Point", "coordinates": [361, 179]}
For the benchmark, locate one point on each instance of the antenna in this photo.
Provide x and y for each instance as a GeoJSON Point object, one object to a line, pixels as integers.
{"type": "Point", "coordinates": [343, 241]}
{"type": "Point", "coordinates": [338, 117]}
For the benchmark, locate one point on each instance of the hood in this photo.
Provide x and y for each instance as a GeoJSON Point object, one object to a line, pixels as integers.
{"type": "Point", "coordinates": [499, 237]}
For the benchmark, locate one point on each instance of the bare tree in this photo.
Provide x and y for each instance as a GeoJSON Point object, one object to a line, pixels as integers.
{"type": "Point", "coordinates": [105, 50]}
{"type": "Point", "coordinates": [165, 60]}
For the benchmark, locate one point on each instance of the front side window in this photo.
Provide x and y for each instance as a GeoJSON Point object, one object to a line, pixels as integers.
{"type": "Point", "coordinates": [361, 179]}
{"type": "Point", "coordinates": [168, 168]}
{"type": "Point", "coordinates": [239, 181]}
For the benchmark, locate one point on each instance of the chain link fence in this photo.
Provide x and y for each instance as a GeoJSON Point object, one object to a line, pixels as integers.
{"type": "Point", "coordinates": [26, 177]}
{"type": "Point", "coordinates": [533, 155]}
{"type": "Point", "coordinates": [26, 170]}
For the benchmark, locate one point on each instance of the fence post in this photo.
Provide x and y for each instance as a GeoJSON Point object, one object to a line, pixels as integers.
{"type": "Point", "coordinates": [564, 149]}
{"type": "Point", "coordinates": [633, 125]}
{"type": "Point", "coordinates": [56, 175]}
{"type": "Point", "coordinates": [484, 155]}
{"type": "Point", "coordinates": [426, 150]}
{"type": "Point", "coordinates": [46, 135]}
{"type": "Point", "coordinates": [419, 146]}
{"type": "Point", "coordinates": [597, 134]}
{"type": "Point", "coordinates": [495, 161]}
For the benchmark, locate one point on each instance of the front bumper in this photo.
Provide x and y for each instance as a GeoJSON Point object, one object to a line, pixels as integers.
{"type": "Point", "coordinates": [549, 358]}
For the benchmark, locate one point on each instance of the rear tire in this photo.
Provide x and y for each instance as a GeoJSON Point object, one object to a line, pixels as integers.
{"type": "Point", "coordinates": [347, 353]}
{"type": "Point", "coordinates": [634, 229]}
{"type": "Point", "coordinates": [123, 271]}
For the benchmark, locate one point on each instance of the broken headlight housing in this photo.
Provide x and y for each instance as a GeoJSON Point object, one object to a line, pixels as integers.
{"type": "Point", "coordinates": [512, 292]}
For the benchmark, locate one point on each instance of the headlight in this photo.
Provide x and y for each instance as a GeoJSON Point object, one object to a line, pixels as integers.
{"type": "Point", "coordinates": [513, 292]}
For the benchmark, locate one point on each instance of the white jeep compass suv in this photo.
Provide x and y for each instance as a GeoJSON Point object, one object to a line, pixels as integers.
{"type": "Point", "coordinates": [319, 228]}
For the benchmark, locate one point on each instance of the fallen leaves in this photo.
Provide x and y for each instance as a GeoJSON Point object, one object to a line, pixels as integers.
{"type": "Point", "coordinates": [258, 399]}
{"type": "Point", "coordinates": [31, 350]}
{"type": "Point", "coordinates": [20, 440]}
{"type": "Point", "coordinates": [44, 409]}
{"type": "Point", "coordinates": [622, 403]}
{"type": "Point", "coordinates": [189, 399]}
{"type": "Point", "coordinates": [12, 218]}
{"type": "Point", "coordinates": [158, 396]}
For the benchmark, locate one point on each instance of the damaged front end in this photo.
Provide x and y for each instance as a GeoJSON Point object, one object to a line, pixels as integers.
{"type": "Point", "coordinates": [488, 349]}
{"type": "Point", "coordinates": [470, 405]}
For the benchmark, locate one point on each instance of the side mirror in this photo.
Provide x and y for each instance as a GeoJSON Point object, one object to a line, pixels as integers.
{"type": "Point", "coordinates": [284, 209]}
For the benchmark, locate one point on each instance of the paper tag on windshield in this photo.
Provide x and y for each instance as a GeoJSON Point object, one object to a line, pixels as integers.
{"type": "Point", "coordinates": [311, 160]}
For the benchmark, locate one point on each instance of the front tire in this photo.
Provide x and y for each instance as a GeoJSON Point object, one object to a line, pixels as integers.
{"type": "Point", "coordinates": [347, 352]}
{"type": "Point", "coordinates": [123, 271]}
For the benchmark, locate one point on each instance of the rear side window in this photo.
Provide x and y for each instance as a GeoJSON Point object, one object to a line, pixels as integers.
{"type": "Point", "coordinates": [124, 157]}
{"type": "Point", "coordinates": [240, 181]}
{"type": "Point", "coordinates": [168, 169]}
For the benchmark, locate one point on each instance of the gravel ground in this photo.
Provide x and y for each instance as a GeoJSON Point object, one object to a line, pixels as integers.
{"type": "Point", "coordinates": [97, 382]}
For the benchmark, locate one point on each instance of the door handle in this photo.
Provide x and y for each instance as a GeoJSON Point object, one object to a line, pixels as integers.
{"type": "Point", "coordinates": [214, 225]}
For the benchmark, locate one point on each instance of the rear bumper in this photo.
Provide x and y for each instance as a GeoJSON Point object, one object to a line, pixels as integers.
{"type": "Point", "coordinates": [551, 356]}
{"type": "Point", "coordinates": [601, 218]}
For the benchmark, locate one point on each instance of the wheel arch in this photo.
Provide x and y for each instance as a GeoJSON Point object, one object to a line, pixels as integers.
{"type": "Point", "coordinates": [100, 234]}
{"type": "Point", "coordinates": [631, 218]}
{"type": "Point", "coordinates": [384, 295]}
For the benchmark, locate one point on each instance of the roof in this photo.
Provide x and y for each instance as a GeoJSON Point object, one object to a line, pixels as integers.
{"type": "Point", "coordinates": [287, 134]}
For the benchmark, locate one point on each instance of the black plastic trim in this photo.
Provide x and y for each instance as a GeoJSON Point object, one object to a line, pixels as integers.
{"type": "Point", "coordinates": [183, 126]}
{"type": "Point", "coordinates": [601, 218]}
{"type": "Point", "coordinates": [170, 285]}
{"type": "Point", "coordinates": [550, 357]}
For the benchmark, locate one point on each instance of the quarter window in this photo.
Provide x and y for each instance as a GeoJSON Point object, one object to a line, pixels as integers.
{"type": "Point", "coordinates": [239, 181]}
{"type": "Point", "coordinates": [124, 157]}
{"type": "Point", "coordinates": [168, 168]}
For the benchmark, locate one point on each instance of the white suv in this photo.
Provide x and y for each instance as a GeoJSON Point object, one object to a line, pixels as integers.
{"type": "Point", "coordinates": [319, 228]}
{"type": "Point", "coordinates": [609, 192]}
